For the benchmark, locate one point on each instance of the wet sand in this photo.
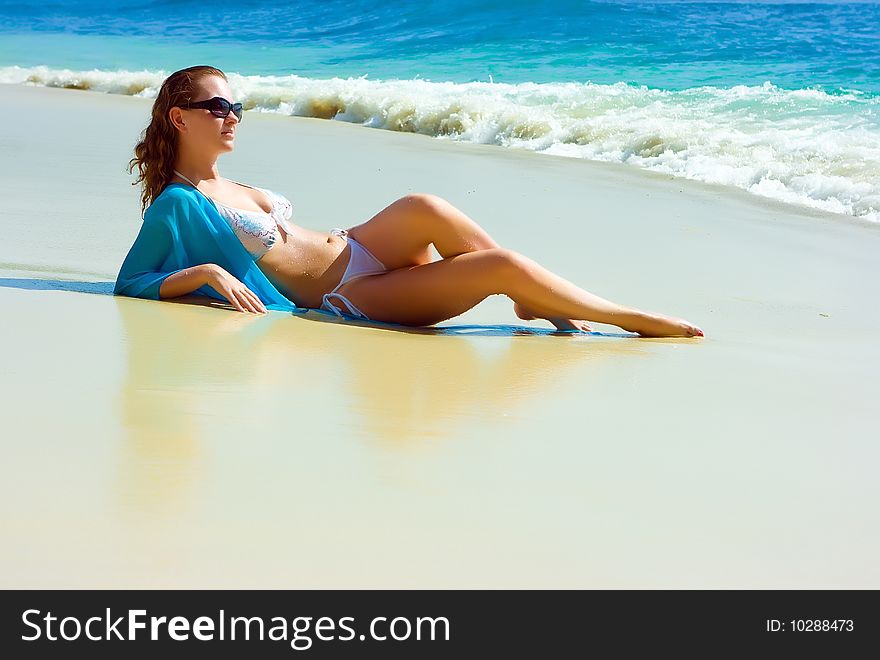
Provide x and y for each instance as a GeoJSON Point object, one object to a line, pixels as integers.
{"type": "Point", "coordinates": [160, 444]}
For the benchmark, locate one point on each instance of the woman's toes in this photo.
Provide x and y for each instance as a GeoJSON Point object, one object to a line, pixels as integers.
{"type": "Point", "coordinates": [659, 325]}
{"type": "Point", "coordinates": [570, 324]}
{"type": "Point", "coordinates": [690, 330]}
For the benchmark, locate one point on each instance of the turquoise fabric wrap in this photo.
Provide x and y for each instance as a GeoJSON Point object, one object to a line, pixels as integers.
{"type": "Point", "coordinates": [181, 229]}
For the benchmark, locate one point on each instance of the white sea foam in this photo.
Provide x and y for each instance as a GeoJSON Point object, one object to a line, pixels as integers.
{"type": "Point", "coordinates": [802, 146]}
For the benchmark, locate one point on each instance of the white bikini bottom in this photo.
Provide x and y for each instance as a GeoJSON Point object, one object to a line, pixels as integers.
{"type": "Point", "coordinates": [360, 264]}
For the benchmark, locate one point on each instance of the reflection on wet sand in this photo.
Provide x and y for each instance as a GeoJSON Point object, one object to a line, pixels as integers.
{"type": "Point", "coordinates": [195, 378]}
{"type": "Point", "coordinates": [194, 373]}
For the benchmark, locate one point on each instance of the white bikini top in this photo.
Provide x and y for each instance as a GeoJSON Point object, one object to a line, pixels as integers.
{"type": "Point", "coordinates": [257, 230]}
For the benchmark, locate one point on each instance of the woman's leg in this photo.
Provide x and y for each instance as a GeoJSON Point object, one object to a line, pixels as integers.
{"type": "Point", "coordinates": [400, 236]}
{"type": "Point", "coordinates": [439, 290]}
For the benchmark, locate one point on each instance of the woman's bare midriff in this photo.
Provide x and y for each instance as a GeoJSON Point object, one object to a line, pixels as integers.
{"type": "Point", "coordinates": [306, 264]}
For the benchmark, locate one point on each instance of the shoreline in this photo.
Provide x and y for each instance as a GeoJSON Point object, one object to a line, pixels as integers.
{"type": "Point", "coordinates": [614, 168]}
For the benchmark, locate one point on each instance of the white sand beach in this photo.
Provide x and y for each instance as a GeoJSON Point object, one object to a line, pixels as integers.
{"type": "Point", "coordinates": [158, 444]}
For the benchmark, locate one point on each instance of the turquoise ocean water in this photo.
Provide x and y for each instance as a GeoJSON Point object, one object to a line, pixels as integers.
{"type": "Point", "coordinates": [779, 98]}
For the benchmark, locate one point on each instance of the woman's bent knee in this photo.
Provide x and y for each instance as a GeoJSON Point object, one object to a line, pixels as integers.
{"type": "Point", "coordinates": [425, 199]}
{"type": "Point", "coordinates": [426, 205]}
{"type": "Point", "coordinates": [508, 261]}
{"type": "Point", "coordinates": [419, 212]}
{"type": "Point", "coordinates": [502, 266]}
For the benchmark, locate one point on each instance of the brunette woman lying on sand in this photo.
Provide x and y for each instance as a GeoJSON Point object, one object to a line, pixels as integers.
{"type": "Point", "coordinates": [381, 269]}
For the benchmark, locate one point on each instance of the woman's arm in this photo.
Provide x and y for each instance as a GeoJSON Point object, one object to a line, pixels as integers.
{"type": "Point", "coordinates": [187, 280]}
{"type": "Point", "coordinates": [163, 261]}
{"type": "Point", "coordinates": [142, 273]}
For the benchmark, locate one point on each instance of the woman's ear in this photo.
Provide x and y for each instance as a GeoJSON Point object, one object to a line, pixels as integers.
{"type": "Point", "coordinates": [176, 117]}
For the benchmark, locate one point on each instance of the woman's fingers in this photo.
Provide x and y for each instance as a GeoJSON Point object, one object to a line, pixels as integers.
{"type": "Point", "coordinates": [257, 302]}
{"type": "Point", "coordinates": [243, 299]}
{"type": "Point", "coordinates": [235, 299]}
{"type": "Point", "coordinates": [246, 301]}
{"type": "Point", "coordinates": [252, 301]}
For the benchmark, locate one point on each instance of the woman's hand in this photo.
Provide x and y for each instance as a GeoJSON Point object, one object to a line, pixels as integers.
{"type": "Point", "coordinates": [234, 290]}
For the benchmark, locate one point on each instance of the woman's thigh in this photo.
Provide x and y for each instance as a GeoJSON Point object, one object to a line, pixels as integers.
{"type": "Point", "coordinates": [432, 292]}
{"type": "Point", "coordinates": [396, 235]}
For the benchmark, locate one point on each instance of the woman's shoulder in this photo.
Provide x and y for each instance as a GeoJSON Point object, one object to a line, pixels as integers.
{"type": "Point", "coordinates": [176, 190]}
{"type": "Point", "coordinates": [172, 198]}
{"type": "Point", "coordinates": [178, 193]}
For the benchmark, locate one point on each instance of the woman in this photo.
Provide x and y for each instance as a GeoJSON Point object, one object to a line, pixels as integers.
{"type": "Point", "coordinates": [381, 269]}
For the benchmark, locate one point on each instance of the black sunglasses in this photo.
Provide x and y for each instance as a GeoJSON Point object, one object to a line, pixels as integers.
{"type": "Point", "coordinates": [218, 106]}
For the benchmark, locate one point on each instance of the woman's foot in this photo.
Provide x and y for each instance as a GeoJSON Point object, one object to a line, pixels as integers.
{"type": "Point", "coordinates": [644, 323]}
{"type": "Point", "coordinates": [658, 325]}
{"type": "Point", "coordinates": [561, 324]}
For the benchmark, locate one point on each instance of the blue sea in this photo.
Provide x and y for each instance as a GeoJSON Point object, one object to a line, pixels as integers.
{"type": "Point", "coordinates": [778, 98]}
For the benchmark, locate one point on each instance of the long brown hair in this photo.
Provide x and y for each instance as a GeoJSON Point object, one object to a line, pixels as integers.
{"type": "Point", "coordinates": [156, 153]}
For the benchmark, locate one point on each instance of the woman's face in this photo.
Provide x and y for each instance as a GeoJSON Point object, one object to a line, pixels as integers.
{"type": "Point", "coordinates": [203, 131]}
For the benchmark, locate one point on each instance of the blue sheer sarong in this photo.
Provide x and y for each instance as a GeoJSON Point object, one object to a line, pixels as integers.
{"type": "Point", "coordinates": [182, 229]}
